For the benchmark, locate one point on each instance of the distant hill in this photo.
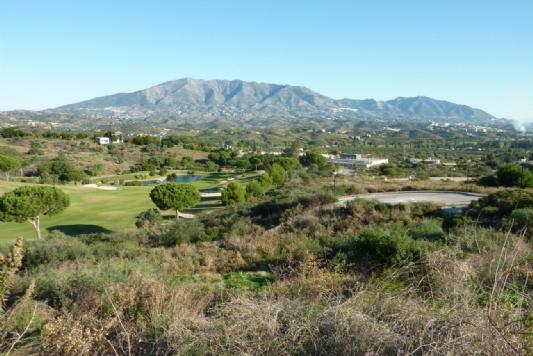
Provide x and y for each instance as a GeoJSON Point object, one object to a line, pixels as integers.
{"type": "Point", "coordinates": [236, 100]}
{"type": "Point", "coordinates": [418, 108]}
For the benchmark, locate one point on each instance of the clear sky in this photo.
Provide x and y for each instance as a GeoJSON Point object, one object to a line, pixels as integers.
{"type": "Point", "coordinates": [474, 52]}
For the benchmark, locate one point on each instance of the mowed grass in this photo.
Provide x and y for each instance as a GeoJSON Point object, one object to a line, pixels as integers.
{"type": "Point", "coordinates": [95, 210]}
{"type": "Point", "coordinates": [90, 210]}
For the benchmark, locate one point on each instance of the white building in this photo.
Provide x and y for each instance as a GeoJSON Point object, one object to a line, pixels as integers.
{"type": "Point", "coordinates": [371, 162]}
{"type": "Point", "coordinates": [350, 156]}
{"type": "Point", "coordinates": [329, 156]}
{"type": "Point", "coordinates": [103, 140]}
{"type": "Point", "coordinates": [427, 160]}
{"type": "Point", "coordinates": [357, 161]}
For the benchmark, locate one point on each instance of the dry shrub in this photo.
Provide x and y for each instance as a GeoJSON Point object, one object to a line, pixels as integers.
{"type": "Point", "coordinates": [154, 300]}
{"type": "Point", "coordinates": [323, 314]}
{"type": "Point", "coordinates": [254, 247]}
{"type": "Point", "coordinates": [448, 277]}
{"type": "Point", "coordinates": [306, 224]}
{"type": "Point", "coordinates": [197, 258]}
{"type": "Point", "coordinates": [132, 318]}
{"type": "Point", "coordinates": [310, 281]}
{"type": "Point", "coordinates": [380, 322]}
{"type": "Point", "coordinates": [269, 245]}
{"type": "Point", "coordinates": [74, 335]}
{"type": "Point", "coordinates": [265, 327]}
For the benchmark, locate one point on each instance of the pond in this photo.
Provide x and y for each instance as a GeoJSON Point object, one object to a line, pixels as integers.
{"type": "Point", "coordinates": [189, 178]}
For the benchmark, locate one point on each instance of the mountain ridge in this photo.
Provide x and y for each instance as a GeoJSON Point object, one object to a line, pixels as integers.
{"type": "Point", "coordinates": [239, 101]}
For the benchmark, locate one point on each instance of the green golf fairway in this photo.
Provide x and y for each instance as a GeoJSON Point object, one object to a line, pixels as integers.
{"type": "Point", "coordinates": [96, 210]}
{"type": "Point", "coordinates": [90, 210]}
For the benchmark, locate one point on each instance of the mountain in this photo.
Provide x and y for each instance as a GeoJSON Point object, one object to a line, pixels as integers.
{"type": "Point", "coordinates": [420, 107]}
{"type": "Point", "coordinates": [202, 101]}
{"type": "Point", "coordinates": [187, 97]}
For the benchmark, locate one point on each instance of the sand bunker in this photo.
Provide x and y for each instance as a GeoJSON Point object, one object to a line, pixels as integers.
{"type": "Point", "coordinates": [102, 187]}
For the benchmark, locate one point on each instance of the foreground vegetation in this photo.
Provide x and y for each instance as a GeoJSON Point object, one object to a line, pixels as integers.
{"type": "Point", "coordinates": [284, 276]}
{"type": "Point", "coordinates": [281, 269]}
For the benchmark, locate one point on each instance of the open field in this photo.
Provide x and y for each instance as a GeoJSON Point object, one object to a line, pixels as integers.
{"type": "Point", "coordinates": [96, 210]}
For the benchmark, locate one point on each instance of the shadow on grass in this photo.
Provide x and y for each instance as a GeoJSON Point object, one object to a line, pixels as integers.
{"type": "Point", "coordinates": [78, 229]}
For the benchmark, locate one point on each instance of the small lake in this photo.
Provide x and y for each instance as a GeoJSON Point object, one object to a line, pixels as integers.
{"type": "Point", "coordinates": [188, 178]}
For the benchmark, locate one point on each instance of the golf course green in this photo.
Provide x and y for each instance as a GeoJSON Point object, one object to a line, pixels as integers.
{"type": "Point", "coordinates": [97, 210]}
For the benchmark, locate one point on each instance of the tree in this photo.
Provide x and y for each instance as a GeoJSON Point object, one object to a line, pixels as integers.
{"type": "Point", "coordinates": [145, 140]}
{"type": "Point", "coordinates": [293, 150]}
{"type": "Point", "coordinates": [187, 162]}
{"type": "Point", "coordinates": [233, 194]}
{"type": "Point", "coordinates": [311, 158]}
{"type": "Point", "coordinates": [36, 149]}
{"type": "Point", "coordinates": [265, 180]}
{"type": "Point", "coordinates": [211, 166]}
{"type": "Point", "coordinates": [8, 164]}
{"type": "Point", "coordinates": [64, 170]}
{"type": "Point", "coordinates": [11, 132]}
{"type": "Point", "coordinates": [255, 161]}
{"type": "Point", "coordinates": [388, 170]}
{"type": "Point", "coordinates": [254, 190]}
{"type": "Point", "coordinates": [512, 175]}
{"type": "Point", "coordinates": [95, 169]}
{"type": "Point", "coordinates": [220, 157]}
{"type": "Point", "coordinates": [175, 196]}
{"type": "Point", "coordinates": [30, 202]}
{"type": "Point", "coordinates": [170, 162]}
{"type": "Point", "coordinates": [316, 163]}
{"type": "Point", "coordinates": [278, 174]}
{"type": "Point", "coordinates": [288, 163]}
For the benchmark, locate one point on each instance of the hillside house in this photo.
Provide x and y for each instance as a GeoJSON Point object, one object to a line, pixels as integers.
{"type": "Point", "coordinates": [103, 140]}
{"type": "Point", "coordinates": [356, 160]}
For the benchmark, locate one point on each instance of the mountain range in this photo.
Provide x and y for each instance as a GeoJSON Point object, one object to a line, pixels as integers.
{"type": "Point", "coordinates": [241, 101]}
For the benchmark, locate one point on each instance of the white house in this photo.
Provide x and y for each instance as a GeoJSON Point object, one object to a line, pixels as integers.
{"type": "Point", "coordinates": [360, 162]}
{"type": "Point", "coordinates": [427, 160]}
{"type": "Point", "coordinates": [371, 162]}
{"type": "Point", "coordinates": [103, 140]}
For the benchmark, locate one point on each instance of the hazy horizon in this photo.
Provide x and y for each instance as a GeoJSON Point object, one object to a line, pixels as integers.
{"type": "Point", "coordinates": [476, 53]}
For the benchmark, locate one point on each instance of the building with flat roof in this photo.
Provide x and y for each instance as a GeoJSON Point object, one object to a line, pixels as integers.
{"type": "Point", "coordinates": [103, 140]}
{"type": "Point", "coordinates": [356, 160]}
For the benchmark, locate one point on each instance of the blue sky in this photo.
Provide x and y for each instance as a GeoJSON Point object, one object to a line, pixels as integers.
{"type": "Point", "coordinates": [473, 52]}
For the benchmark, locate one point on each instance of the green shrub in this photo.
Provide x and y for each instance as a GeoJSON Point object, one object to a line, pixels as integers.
{"type": "Point", "coordinates": [388, 247]}
{"type": "Point", "coordinates": [233, 194]}
{"type": "Point", "coordinates": [522, 218]}
{"type": "Point", "coordinates": [278, 174]}
{"type": "Point", "coordinates": [181, 232]}
{"type": "Point", "coordinates": [148, 219]}
{"type": "Point", "coordinates": [65, 171]}
{"type": "Point", "coordinates": [512, 175]}
{"type": "Point", "coordinates": [427, 229]}
{"type": "Point", "coordinates": [247, 281]}
{"type": "Point", "coordinates": [500, 204]}
{"type": "Point", "coordinates": [55, 249]}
